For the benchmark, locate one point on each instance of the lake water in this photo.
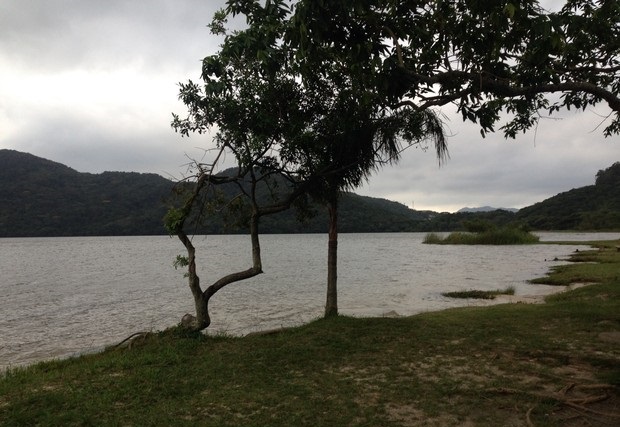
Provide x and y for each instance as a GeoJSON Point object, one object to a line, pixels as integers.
{"type": "Point", "coordinates": [62, 296]}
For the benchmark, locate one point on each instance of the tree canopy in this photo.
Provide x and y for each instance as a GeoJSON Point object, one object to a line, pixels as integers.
{"type": "Point", "coordinates": [489, 58]}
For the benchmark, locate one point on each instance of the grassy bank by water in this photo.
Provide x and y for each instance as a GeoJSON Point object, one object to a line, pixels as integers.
{"type": "Point", "coordinates": [514, 364]}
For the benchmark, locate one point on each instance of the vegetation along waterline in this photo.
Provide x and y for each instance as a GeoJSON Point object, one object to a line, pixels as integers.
{"type": "Point", "coordinates": [513, 364]}
{"type": "Point", "coordinates": [484, 233]}
{"type": "Point", "coordinates": [480, 294]}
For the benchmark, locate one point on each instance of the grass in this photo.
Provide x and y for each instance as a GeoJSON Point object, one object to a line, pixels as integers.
{"type": "Point", "coordinates": [594, 266]}
{"type": "Point", "coordinates": [510, 290]}
{"type": "Point", "coordinates": [503, 236]}
{"type": "Point", "coordinates": [510, 364]}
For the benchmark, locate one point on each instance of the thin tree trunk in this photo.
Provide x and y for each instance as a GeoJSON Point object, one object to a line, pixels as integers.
{"type": "Point", "coordinates": [201, 302]}
{"type": "Point", "coordinates": [331, 305]}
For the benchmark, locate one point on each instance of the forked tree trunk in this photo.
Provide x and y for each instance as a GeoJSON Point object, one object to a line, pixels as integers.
{"type": "Point", "coordinates": [331, 305]}
{"type": "Point", "coordinates": [202, 320]}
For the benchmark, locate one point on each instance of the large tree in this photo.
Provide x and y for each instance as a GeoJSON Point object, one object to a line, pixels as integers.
{"type": "Point", "coordinates": [280, 87]}
{"type": "Point", "coordinates": [491, 59]}
{"type": "Point", "coordinates": [356, 128]}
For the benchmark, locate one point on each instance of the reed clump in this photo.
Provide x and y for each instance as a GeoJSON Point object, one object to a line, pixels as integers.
{"type": "Point", "coordinates": [488, 236]}
{"type": "Point", "coordinates": [478, 294]}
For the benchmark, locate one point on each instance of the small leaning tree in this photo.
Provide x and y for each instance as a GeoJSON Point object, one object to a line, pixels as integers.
{"type": "Point", "coordinates": [244, 102]}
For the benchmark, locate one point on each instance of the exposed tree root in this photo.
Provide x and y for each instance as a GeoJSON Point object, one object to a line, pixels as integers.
{"type": "Point", "coordinates": [579, 404]}
{"type": "Point", "coordinates": [131, 339]}
{"type": "Point", "coordinates": [567, 388]}
{"type": "Point", "coordinates": [527, 417]}
{"type": "Point", "coordinates": [589, 410]}
{"type": "Point", "coordinates": [589, 399]}
{"type": "Point", "coordinates": [576, 404]}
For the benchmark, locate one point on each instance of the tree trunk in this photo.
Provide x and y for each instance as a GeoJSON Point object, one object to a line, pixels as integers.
{"type": "Point", "coordinates": [331, 305]}
{"type": "Point", "coordinates": [202, 320]}
{"type": "Point", "coordinates": [201, 301]}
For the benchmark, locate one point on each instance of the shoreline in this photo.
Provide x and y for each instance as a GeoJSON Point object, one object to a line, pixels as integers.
{"type": "Point", "coordinates": [540, 298]}
{"type": "Point", "coordinates": [528, 298]}
{"type": "Point", "coordinates": [468, 302]}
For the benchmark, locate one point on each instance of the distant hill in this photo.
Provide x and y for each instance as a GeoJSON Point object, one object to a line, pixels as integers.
{"type": "Point", "coordinates": [39, 197]}
{"type": "Point", "coordinates": [486, 209]}
{"type": "Point", "coordinates": [594, 207]}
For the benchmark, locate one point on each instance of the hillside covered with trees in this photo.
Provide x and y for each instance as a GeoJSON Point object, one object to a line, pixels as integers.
{"type": "Point", "coordinates": [594, 207]}
{"type": "Point", "coordinates": [39, 197]}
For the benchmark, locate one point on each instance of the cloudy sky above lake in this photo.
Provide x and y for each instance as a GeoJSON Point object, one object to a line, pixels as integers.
{"type": "Point", "coordinates": [92, 84]}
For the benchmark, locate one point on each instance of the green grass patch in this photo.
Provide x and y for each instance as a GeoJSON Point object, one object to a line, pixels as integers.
{"type": "Point", "coordinates": [480, 366]}
{"type": "Point", "coordinates": [503, 236]}
{"type": "Point", "coordinates": [591, 266]}
{"type": "Point", "coordinates": [477, 294]}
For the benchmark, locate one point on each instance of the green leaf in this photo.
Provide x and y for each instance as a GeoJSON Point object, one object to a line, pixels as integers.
{"type": "Point", "coordinates": [509, 10]}
{"type": "Point", "coordinates": [180, 262]}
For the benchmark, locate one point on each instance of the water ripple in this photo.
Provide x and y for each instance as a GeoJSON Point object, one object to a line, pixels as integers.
{"type": "Point", "coordinates": [61, 296]}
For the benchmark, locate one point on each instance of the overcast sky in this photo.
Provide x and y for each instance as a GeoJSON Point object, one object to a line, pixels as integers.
{"type": "Point", "coordinates": [92, 84]}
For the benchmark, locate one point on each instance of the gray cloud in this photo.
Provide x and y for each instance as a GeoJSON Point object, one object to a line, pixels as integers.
{"type": "Point", "coordinates": [561, 155]}
{"type": "Point", "coordinates": [60, 34]}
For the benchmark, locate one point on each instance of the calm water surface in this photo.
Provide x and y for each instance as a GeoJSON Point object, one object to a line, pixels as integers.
{"type": "Point", "coordinates": [62, 296]}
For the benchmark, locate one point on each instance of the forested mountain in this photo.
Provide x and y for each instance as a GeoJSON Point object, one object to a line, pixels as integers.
{"type": "Point", "coordinates": [39, 197]}
{"type": "Point", "coordinates": [594, 207]}
{"type": "Point", "coordinates": [485, 209]}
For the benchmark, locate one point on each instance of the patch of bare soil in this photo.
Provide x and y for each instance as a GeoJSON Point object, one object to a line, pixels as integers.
{"type": "Point", "coordinates": [410, 416]}
{"type": "Point", "coordinates": [612, 337]}
{"type": "Point", "coordinates": [572, 391]}
{"type": "Point", "coordinates": [568, 394]}
{"type": "Point", "coordinates": [576, 396]}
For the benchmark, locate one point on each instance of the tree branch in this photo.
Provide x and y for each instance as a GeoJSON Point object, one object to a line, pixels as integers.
{"type": "Point", "coordinates": [503, 88]}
